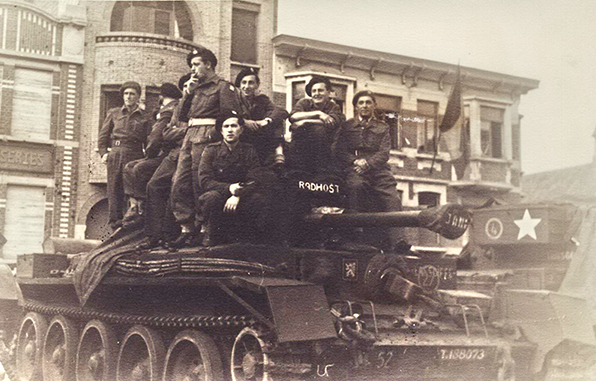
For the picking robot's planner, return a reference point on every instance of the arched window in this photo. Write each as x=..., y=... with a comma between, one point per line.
x=169, y=18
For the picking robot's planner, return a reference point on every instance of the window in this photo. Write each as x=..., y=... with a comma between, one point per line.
x=32, y=104
x=491, y=132
x=244, y=35
x=110, y=98
x=428, y=199
x=338, y=94
x=298, y=92
x=388, y=108
x=427, y=125
x=24, y=221
x=168, y=18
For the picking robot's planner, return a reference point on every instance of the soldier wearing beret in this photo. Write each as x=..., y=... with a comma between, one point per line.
x=362, y=149
x=314, y=123
x=121, y=140
x=228, y=176
x=263, y=121
x=206, y=96
x=137, y=173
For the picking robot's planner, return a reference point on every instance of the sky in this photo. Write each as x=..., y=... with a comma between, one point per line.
x=553, y=41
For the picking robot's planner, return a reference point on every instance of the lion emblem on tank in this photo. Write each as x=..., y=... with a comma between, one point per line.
x=429, y=277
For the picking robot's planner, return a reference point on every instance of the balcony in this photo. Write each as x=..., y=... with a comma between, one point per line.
x=144, y=40
x=488, y=175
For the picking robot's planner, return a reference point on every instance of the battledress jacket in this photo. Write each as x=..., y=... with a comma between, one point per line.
x=130, y=129
x=221, y=167
x=158, y=141
x=358, y=139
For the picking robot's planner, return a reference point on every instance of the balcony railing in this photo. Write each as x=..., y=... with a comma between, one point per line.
x=144, y=38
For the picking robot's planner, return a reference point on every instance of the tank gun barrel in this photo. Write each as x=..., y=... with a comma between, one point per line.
x=387, y=219
x=450, y=220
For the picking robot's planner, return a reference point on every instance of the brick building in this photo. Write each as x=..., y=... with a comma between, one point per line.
x=41, y=57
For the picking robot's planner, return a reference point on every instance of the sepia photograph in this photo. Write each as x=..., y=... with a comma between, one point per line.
x=292, y=190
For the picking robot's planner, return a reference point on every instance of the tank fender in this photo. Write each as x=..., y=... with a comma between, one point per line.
x=300, y=310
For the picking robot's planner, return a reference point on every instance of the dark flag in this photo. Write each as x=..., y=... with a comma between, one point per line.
x=455, y=131
x=453, y=112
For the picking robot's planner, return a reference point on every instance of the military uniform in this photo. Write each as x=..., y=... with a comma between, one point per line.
x=310, y=150
x=219, y=168
x=267, y=138
x=125, y=133
x=137, y=173
x=199, y=109
x=370, y=140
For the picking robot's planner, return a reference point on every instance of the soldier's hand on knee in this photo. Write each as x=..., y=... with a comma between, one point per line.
x=234, y=188
x=231, y=204
x=360, y=165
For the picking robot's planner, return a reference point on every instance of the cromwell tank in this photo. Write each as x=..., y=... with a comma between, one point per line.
x=330, y=308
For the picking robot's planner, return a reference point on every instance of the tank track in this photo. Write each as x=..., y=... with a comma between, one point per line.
x=203, y=322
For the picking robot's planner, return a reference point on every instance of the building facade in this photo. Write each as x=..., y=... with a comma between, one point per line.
x=414, y=93
x=41, y=60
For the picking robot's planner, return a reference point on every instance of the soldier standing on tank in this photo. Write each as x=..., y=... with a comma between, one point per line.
x=137, y=173
x=230, y=192
x=314, y=123
x=362, y=149
x=121, y=140
x=263, y=121
x=205, y=98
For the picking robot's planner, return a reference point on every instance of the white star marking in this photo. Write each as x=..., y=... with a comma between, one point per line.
x=527, y=225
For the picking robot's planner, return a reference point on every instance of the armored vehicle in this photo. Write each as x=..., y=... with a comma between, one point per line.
x=333, y=308
x=533, y=260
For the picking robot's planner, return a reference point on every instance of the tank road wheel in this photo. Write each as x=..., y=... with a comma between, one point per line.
x=96, y=354
x=30, y=346
x=59, y=350
x=249, y=358
x=141, y=355
x=193, y=356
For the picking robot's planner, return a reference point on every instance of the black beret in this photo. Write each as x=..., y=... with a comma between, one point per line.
x=130, y=85
x=170, y=90
x=205, y=54
x=362, y=93
x=227, y=115
x=247, y=71
x=317, y=79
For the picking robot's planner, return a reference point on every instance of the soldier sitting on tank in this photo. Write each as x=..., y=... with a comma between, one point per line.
x=121, y=140
x=362, y=149
x=231, y=203
x=314, y=123
x=263, y=121
x=137, y=173
x=160, y=224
